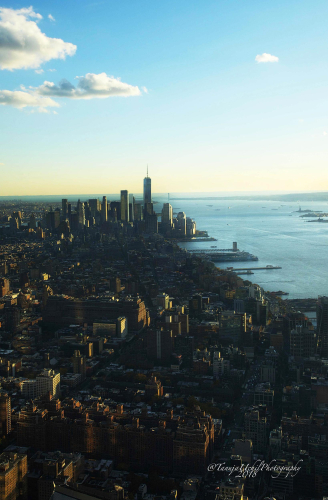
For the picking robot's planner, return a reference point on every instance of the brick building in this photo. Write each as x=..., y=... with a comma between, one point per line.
x=13, y=476
x=63, y=310
x=179, y=443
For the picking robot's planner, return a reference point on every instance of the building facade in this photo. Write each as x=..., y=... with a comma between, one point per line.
x=124, y=205
x=13, y=476
x=147, y=190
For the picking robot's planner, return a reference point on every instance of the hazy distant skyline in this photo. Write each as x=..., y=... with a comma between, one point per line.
x=214, y=96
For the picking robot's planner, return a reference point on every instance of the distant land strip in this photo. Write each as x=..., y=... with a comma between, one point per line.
x=323, y=196
x=298, y=197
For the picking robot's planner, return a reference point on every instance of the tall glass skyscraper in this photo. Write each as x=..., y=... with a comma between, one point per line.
x=167, y=214
x=147, y=189
x=125, y=205
x=104, y=209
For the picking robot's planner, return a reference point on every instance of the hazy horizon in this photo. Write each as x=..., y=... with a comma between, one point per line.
x=175, y=195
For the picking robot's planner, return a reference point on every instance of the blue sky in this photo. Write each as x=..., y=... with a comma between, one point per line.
x=196, y=107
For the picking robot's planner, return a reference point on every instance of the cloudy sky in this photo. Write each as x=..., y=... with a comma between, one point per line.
x=213, y=95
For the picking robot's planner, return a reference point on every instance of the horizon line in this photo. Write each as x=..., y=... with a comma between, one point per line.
x=210, y=193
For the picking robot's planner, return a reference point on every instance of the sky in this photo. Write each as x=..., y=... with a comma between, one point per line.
x=215, y=96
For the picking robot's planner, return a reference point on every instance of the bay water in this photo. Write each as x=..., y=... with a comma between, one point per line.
x=271, y=230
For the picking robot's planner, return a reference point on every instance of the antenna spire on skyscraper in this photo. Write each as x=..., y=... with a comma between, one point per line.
x=147, y=170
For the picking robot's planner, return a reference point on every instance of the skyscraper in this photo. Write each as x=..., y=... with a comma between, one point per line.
x=53, y=219
x=64, y=208
x=104, y=209
x=125, y=205
x=181, y=223
x=148, y=209
x=138, y=214
x=190, y=227
x=131, y=207
x=322, y=326
x=81, y=213
x=94, y=204
x=147, y=189
x=167, y=214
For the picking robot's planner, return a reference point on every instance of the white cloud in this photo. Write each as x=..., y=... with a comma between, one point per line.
x=43, y=110
x=51, y=18
x=89, y=86
x=301, y=120
x=52, y=70
x=145, y=90
x=20, y=99
x=22, y=43
x=325, y=133
x=264, y=58
x=39, y=71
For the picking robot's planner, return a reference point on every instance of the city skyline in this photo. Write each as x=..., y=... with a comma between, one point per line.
x=229, y=90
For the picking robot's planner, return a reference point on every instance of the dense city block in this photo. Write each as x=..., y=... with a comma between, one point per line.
x=131, y=368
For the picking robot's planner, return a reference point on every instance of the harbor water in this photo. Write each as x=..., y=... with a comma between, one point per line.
x=271, y=230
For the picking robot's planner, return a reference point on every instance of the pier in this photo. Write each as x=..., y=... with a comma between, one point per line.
x=210, y=251
x=246, y=273
x=267, y=268
x=224, y=254
x=195, y=239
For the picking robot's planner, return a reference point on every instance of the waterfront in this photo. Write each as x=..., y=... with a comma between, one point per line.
x=274, y=232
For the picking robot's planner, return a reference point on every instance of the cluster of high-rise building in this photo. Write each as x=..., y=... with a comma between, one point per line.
x=138, y=214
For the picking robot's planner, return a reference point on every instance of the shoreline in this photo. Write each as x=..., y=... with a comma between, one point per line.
x=303, y=304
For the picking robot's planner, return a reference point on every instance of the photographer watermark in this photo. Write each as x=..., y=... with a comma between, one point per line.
x=259, y=466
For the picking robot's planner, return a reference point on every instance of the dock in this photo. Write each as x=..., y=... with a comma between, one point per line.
x=195, y=239
x=267, y=268
x=211, y=251
x=246, y=273
x=224, y=254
